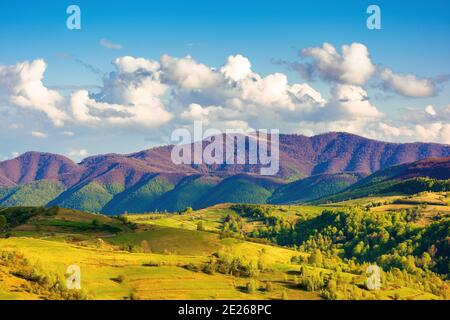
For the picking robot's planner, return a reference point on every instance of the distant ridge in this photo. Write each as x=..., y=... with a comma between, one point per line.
x=117, y=182
x=384, y=180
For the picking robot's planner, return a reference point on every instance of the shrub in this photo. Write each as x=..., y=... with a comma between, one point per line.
x=200, y=226
x=251, y=286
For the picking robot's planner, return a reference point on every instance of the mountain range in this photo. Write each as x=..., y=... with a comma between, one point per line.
x=310, y=168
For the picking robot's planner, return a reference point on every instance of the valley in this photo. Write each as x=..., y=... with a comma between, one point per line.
x=138, y=227
x=227, y=251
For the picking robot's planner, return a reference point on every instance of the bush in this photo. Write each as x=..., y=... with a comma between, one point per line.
x=119, y=279
x=200, y=226
x=48, y=285
x=251, y=287
x=228, y=264
x=3, y=222
x=269, y=286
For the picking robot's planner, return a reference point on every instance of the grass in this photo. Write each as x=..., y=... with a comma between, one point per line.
x=170, y=269
x=167, y=280
x=171, y=240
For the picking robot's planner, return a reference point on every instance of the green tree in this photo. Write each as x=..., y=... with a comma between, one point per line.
x=316, y=258
x=200, y=226
x=95, y=223
x=251, y=286
x=3, y=222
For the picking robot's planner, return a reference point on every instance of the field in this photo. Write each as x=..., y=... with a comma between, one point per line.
x=166, y=256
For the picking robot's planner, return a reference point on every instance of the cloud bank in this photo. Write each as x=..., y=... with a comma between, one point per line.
x=175, y=91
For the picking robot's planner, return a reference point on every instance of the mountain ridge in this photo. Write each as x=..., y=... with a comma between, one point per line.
x=300, y=156
x=140, y=180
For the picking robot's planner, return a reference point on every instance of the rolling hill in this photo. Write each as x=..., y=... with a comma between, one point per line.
x=313, y=187
x=389, y=180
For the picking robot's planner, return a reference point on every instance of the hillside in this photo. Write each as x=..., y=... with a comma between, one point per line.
x=148, y=180
x=300, y=156
x=394, y=179
x=313, y=187
x=231, y=251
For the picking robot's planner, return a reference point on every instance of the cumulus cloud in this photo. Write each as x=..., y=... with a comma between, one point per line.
x=188, y=74
x=130, y=95
x=236, y=68
x=22, y=86
x=352, y=102
x=172, y=92
x=407, y=85
x=352, y=66
x=152, y=93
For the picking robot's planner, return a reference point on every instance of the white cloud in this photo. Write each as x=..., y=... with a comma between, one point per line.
x=148, y=94
x=188, y=74
x=236, y=68
x=110, y=45
x=21, y=85
x=352, y=102
x=68, y=133
x=130, y=95
x=407, y=84
x=78, y=153
x=129, y=64
x=430, y=110
x=39, y=134
x=352, y=66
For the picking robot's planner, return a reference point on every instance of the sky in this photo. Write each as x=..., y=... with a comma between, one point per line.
x=137, y=70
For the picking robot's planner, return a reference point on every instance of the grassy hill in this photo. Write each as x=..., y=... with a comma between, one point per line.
x=425, y=175
x=91, y=197
x=188, y=193
x=139, y=198
x=40, y=221
x=239, y=255
x=312, y=188
x=242, y=189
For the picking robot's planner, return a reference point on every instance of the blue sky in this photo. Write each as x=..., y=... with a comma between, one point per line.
x=413, y=40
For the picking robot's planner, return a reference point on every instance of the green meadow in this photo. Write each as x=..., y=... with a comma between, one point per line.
x=230, y=251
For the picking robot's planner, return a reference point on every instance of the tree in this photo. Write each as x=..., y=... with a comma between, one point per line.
x=251, y=286
x=3, y=222
x=316, y=258
x=200, y=226
x=145, y=246
x=95, y=223
x=426, y=260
